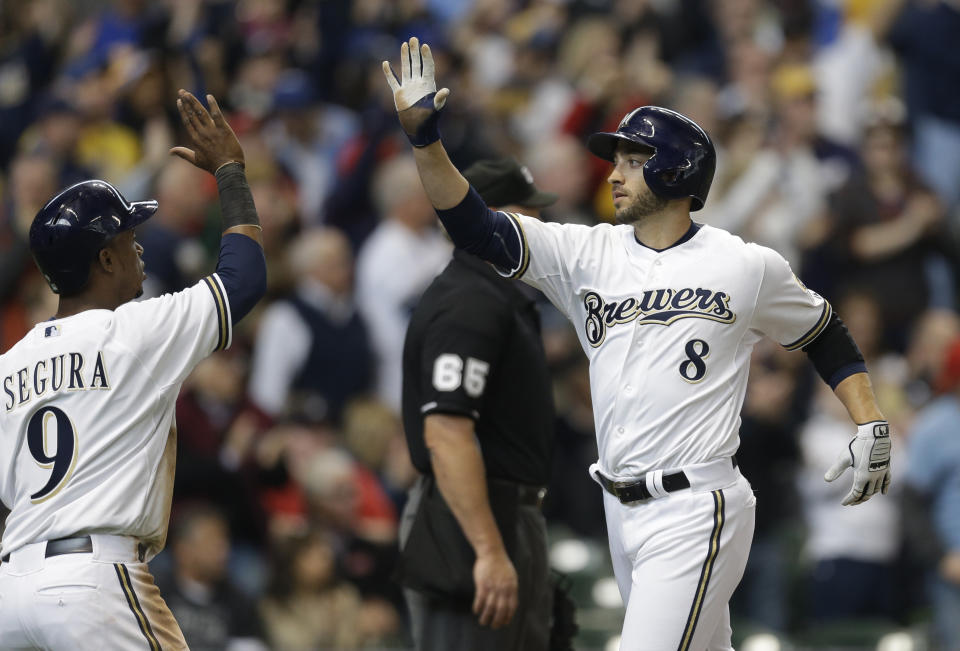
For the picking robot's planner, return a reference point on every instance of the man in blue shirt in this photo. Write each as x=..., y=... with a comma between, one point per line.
x=933, y=478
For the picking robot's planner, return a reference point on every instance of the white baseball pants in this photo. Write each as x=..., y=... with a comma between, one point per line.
x=103, y=600
x=678, y=559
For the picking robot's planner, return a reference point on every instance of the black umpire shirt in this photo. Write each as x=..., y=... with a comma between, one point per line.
x=473, y=349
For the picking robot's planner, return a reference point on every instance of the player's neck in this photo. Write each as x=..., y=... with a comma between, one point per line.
x=663, y=229
x=89, y=300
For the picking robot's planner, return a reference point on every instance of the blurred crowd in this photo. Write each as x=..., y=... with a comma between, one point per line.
x=837, y=125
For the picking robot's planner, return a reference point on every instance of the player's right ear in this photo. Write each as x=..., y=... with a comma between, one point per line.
x=105, y=260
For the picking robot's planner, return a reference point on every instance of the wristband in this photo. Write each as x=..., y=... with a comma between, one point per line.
x=429, y=130
x=236, y=201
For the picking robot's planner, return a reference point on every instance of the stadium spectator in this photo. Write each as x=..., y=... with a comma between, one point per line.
x=55, y=133
x=308, y=605
x=780, y=199
x=32, y=180
x=217, y=430
x=924, y=35
x=30, y=32
x=888, y=226
x=213, y=614
x=172, y=250
x=932, y=333
x=852, y=573
x=313, y=344
x=374, y=435
x=933, y=498
x=853, y=566
x=395, y=265
x=306, y=137
x=769, y=457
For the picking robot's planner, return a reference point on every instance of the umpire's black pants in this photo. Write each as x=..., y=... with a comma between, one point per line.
x=437, y=626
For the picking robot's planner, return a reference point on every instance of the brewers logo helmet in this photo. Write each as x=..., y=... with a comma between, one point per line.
x=683, y=158
x=70, y=230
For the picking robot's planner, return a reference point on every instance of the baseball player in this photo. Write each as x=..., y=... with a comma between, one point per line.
x=667, y=311
x=87, y=429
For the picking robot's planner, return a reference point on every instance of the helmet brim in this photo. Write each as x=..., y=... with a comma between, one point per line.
x=139, y=212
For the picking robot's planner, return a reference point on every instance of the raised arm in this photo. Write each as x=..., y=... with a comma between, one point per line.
x=471, y=225
x=241, y=266
x=418, y=106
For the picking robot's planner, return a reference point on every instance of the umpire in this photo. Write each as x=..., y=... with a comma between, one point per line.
x=478, y=415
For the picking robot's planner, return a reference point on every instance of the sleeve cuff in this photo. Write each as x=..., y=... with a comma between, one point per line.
x=813, y=332
x=524, y=249
x=224, y=323
x=844, y=372
x=434, y=407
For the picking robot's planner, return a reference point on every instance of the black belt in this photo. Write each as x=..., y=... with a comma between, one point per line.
x=634, y=491
x=527, y=494
x=530, y=495
x=60, y=546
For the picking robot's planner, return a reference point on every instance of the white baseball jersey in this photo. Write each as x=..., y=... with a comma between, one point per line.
x=87, y=428
x=668, y=333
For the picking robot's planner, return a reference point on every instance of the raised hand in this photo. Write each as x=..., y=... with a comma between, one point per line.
x=415, y=94
x=214, y=142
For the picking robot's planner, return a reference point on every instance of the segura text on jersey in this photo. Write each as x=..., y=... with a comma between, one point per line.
x=654, y=306
x=64, y=372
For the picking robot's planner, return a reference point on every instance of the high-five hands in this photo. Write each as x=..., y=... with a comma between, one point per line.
x=869, y=456
x=415, y=94
x=214, y=142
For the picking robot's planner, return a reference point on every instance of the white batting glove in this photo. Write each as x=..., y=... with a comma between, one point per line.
x=415, y=95
x=869, y=456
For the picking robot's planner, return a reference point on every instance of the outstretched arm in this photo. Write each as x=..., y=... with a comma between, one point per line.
x=418, y=106
x=869, y=451
x=471, y=225
x=856, y=394
x=839, y=362
x=241, y=267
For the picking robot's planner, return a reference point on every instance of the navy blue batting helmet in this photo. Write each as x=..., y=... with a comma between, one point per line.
x=68, y=233
x=683, y=159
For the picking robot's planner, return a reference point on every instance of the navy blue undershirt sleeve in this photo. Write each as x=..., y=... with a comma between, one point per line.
x=242, y=269
x=489, y=235
x=834, y=353
x=844, y=372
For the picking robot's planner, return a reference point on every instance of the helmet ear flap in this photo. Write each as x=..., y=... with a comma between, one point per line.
x=670, y=176
x=664, y=174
